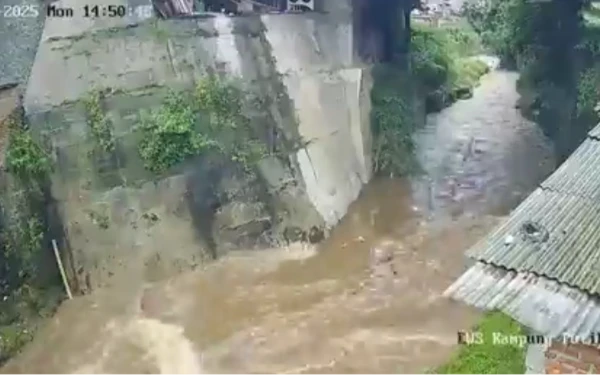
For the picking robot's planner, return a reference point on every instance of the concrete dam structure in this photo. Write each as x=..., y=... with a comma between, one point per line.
x=119, y=219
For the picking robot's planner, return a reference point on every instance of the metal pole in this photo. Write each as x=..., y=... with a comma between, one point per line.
x=61, y=269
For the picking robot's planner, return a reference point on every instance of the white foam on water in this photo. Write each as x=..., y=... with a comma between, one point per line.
x=166, y=343
x=165, y=347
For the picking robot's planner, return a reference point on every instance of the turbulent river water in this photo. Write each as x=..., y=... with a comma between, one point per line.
x=341, y=307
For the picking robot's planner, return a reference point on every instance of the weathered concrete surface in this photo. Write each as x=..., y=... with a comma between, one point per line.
x=330, y=97
x=122, y=220
x=21, y=25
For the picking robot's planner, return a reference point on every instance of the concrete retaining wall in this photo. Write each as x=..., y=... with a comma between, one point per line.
x=122, y=221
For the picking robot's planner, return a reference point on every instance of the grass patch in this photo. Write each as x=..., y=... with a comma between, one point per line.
x=487, y=358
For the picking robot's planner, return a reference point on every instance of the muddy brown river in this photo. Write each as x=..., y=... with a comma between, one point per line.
x=366, y=300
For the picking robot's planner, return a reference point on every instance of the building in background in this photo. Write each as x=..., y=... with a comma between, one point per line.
x=178, y=8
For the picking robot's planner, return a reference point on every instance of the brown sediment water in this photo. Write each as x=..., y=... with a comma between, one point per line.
x=366, y=300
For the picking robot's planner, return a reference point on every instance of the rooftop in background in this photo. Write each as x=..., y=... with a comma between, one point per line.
x=542, y=265
x=178, y=8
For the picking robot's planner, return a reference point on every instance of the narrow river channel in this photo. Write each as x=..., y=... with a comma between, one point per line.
x=342, y=307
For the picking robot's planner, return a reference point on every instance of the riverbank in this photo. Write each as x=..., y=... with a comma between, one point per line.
x=445, y=66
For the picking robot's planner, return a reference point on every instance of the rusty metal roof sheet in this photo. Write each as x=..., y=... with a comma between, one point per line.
x=548, y=307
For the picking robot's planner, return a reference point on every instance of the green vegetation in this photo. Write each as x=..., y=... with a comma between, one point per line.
x=443, y=70
x=26, y=292
x=100, y=125
x=555, y=45
x=443, y=63
x=25, y=159
x=487, y=357
x=588, y=91
x=24, y=232
x=393, y=121
x=188, y=125
x=170, y=135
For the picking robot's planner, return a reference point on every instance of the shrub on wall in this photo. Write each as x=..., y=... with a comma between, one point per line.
x=100, y=125
x=25, y=159
x=191, y=124
x=170, y=134
x=222, y=102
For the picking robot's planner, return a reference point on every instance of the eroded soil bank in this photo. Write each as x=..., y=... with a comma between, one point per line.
x=366, y=300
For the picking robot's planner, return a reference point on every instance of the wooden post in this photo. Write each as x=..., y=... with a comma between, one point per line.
x=61, y=269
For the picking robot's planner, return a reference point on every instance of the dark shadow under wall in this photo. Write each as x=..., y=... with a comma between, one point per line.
x=382, y=30
x=19, y=193
x=56, y=231
x=203, y=201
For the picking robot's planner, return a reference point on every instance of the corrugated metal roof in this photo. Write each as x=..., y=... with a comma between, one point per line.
x=170, y=8
x=544, y=305
x=567, y=208
x=578, y=175
x=551, y=285
x=595, y=133
x=571, y=254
